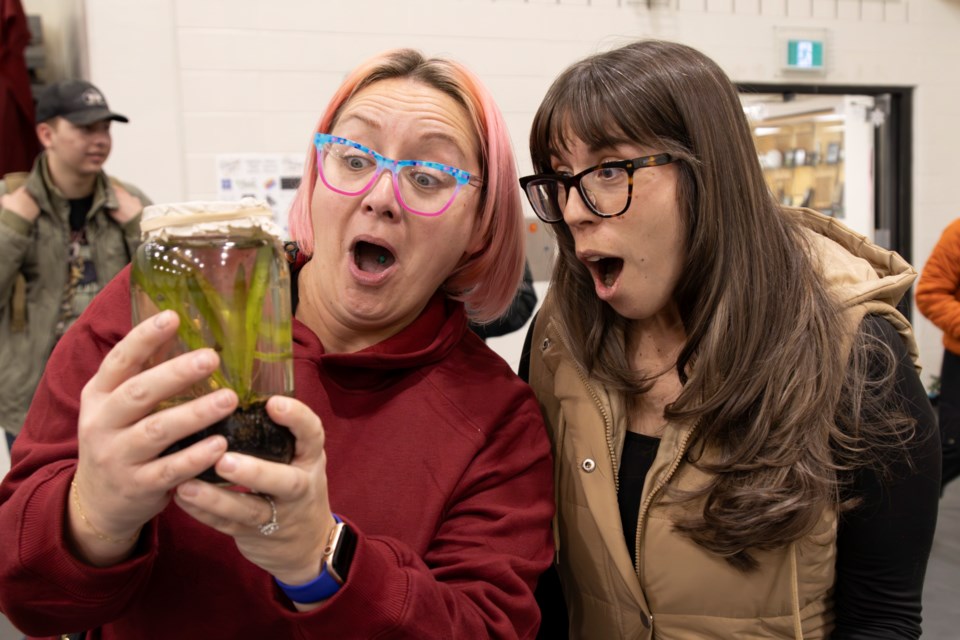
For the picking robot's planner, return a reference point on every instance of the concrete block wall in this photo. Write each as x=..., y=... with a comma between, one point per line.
x=202, y=77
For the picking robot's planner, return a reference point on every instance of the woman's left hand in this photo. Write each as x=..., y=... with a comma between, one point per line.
x=293, y=552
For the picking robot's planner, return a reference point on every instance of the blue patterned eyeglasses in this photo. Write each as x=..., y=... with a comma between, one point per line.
x=422, y=187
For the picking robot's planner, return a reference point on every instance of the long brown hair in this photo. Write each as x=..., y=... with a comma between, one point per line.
x=765, y=367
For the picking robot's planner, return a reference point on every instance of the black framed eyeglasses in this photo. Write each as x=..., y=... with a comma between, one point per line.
x=606, y=189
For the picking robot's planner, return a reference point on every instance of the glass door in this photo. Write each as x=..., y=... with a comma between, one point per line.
x=817, y=152
x=843, y=151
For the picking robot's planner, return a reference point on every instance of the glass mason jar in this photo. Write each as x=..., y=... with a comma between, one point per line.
x=221, y=267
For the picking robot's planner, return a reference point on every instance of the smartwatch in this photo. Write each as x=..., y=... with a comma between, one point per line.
x=335, y=566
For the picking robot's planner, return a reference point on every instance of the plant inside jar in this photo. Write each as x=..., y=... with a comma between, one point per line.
x=234, y=298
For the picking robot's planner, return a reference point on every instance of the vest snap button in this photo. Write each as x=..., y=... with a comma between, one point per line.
x=588, y=465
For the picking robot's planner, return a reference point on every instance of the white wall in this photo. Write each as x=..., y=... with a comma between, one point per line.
x=201, y=77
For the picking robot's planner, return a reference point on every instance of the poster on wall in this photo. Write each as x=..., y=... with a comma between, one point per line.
x=271, y=177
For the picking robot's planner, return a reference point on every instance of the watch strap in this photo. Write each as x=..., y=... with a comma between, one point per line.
x=320, y=588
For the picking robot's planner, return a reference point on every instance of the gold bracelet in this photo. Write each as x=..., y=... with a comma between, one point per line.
x=96, y=532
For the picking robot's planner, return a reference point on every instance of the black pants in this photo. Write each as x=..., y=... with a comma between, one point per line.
x=949, y=410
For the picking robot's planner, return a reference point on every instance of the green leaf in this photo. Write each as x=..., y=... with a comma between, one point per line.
x=253, y=312
x=232, y=319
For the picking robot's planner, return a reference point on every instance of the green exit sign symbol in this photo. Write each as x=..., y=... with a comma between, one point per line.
x=805, y=54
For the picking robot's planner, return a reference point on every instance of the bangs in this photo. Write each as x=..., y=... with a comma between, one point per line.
x=574, y=109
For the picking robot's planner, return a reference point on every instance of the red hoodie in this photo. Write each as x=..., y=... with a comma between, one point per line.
x=436, y=455
x=20, y=143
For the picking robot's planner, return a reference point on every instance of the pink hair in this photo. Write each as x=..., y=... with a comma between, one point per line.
x=487, y=280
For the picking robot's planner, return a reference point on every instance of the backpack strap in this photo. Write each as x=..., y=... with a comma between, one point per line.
x=18, y=299
x=15, y=180
x=18, y=305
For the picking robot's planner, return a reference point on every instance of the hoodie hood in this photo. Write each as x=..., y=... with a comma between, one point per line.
x=861, y=275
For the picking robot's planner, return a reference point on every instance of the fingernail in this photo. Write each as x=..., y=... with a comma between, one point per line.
x=281, y=404
x=224, y=398
x=162, y=319
x=188, y=489
x=203, y=360
x=228, y=462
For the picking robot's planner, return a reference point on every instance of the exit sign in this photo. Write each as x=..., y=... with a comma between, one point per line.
x=805, y=54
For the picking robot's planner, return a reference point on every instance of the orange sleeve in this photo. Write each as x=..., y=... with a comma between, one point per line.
x=940, y=281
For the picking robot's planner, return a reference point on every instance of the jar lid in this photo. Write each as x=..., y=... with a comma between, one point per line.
x=206, y=216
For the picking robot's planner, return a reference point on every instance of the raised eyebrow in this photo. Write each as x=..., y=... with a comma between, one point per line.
x=370, y=122
x=445, y=137
x=438, y=135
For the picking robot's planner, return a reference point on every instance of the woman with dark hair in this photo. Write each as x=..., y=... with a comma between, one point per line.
x=742, y=443
x=419, y=497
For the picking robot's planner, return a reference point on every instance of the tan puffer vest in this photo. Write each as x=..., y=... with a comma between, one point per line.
x=681, y=590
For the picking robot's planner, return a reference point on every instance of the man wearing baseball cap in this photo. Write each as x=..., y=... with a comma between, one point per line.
x=66, y=229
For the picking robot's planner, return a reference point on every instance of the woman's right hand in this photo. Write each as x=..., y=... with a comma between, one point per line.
x=121, y=483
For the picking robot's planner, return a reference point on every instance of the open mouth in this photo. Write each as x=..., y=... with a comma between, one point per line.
x=372, y=258
x=606, y=270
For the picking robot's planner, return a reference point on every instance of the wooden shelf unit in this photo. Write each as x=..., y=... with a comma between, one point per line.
x=811, y=161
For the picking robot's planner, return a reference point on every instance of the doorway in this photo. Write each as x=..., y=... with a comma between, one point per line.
x=843, y=150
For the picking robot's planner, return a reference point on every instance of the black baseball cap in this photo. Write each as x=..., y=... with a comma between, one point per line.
x=76, y=100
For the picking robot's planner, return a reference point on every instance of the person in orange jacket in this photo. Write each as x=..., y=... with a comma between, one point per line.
x=937, y=298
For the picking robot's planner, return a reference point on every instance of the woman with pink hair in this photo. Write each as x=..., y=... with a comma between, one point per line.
x=419, y=499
